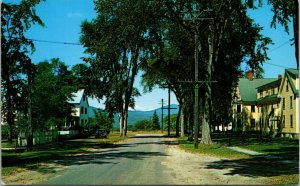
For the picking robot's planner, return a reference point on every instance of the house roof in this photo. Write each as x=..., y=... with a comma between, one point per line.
x=269, y=99
x=292, y=73
x=248, y=90
x=271, y=84
x=76, y=97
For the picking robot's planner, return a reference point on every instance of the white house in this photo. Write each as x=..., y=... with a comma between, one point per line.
x=80, y=104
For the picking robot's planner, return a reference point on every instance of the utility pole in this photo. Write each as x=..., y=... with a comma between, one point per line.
x=162, y=115
x=169, y=107
x=196, y=104
x=196, y=20
x=169, y=111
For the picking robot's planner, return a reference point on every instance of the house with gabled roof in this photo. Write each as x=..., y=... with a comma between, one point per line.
x=245, y=110
x=289, y=103
x=80, y=115
x=268, y=104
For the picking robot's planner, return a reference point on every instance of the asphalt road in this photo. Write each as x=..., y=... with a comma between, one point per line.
x=137, y=161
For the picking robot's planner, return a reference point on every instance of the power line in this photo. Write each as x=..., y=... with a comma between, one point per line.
x=48, y=41
x=54, y=42
x=280, y=46
x=276, y=65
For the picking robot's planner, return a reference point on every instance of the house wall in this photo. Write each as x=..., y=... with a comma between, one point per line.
x=76, y=111
x=84, y=117
x=287, y=111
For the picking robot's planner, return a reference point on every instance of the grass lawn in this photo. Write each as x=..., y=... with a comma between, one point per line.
x=55, y=151
x=212, y=150
x=5, y=144
x=285, y=148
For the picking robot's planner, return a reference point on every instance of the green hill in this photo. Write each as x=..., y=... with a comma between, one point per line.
x=134, y=116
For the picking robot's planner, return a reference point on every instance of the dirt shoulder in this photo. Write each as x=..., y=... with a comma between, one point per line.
x=197, y=169
x=33, y=174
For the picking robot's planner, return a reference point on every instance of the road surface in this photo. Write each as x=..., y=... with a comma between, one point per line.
x=138, y=161
x=153, y=159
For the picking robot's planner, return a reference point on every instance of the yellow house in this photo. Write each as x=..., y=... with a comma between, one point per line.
x=268, y=106
x=246, y=113
x=289, y=104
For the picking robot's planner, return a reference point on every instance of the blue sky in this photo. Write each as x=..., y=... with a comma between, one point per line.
x=64, y=17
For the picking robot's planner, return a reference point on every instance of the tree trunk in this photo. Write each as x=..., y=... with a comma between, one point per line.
x=30, y=128
x=121, y=122
x=191, y=126
x=178, y=121
x=206, y=138
x=9, y=109
x=182, y=124
x=185, y=120
x=125, y=123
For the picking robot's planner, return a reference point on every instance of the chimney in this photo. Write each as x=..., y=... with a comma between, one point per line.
x=250, y=75
x=279, y=77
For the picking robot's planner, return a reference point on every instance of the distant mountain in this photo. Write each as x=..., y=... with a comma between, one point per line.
x=137, y=115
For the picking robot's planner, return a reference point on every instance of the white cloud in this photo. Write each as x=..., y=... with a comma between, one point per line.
x=74, y=14
x=137, y=107
x=95, y=103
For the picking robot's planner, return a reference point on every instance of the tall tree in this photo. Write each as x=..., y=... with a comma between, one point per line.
x=15, y=21
x=284, y=12
x=238, y=37
x=49, y=100
x=155, y=121
x=115, y=41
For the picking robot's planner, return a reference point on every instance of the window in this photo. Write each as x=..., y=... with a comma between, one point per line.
x=238, y=108
x=81, y=122
x=252, y=123
x=287, y=85
x=283, y=103
x=283, y=121
x=83, y=97
x=85, y=110
x=261, y=93
x=85, y=121
x=239, y=123
x=273, y=91
x=291, y=120
x=81, y=110
x=291, y=102
x=252, y=108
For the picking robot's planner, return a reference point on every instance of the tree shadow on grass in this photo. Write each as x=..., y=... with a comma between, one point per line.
x=256, y=167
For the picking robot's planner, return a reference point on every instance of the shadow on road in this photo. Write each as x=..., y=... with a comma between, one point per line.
x=256, y=167
x=67, y=154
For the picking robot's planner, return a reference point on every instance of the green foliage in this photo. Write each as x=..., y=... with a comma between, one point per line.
x=5, y=132
x=173, y=118
x=52, y=87
x=15, y=62
x=155, y=121
x=100, y=121
x=143, y=125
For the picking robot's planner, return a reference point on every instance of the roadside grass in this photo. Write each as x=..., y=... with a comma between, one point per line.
x=215, y=150
x=292, y=179
x=285, y=148
x=11, y=161
x=148, y=132
x=5, y=144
